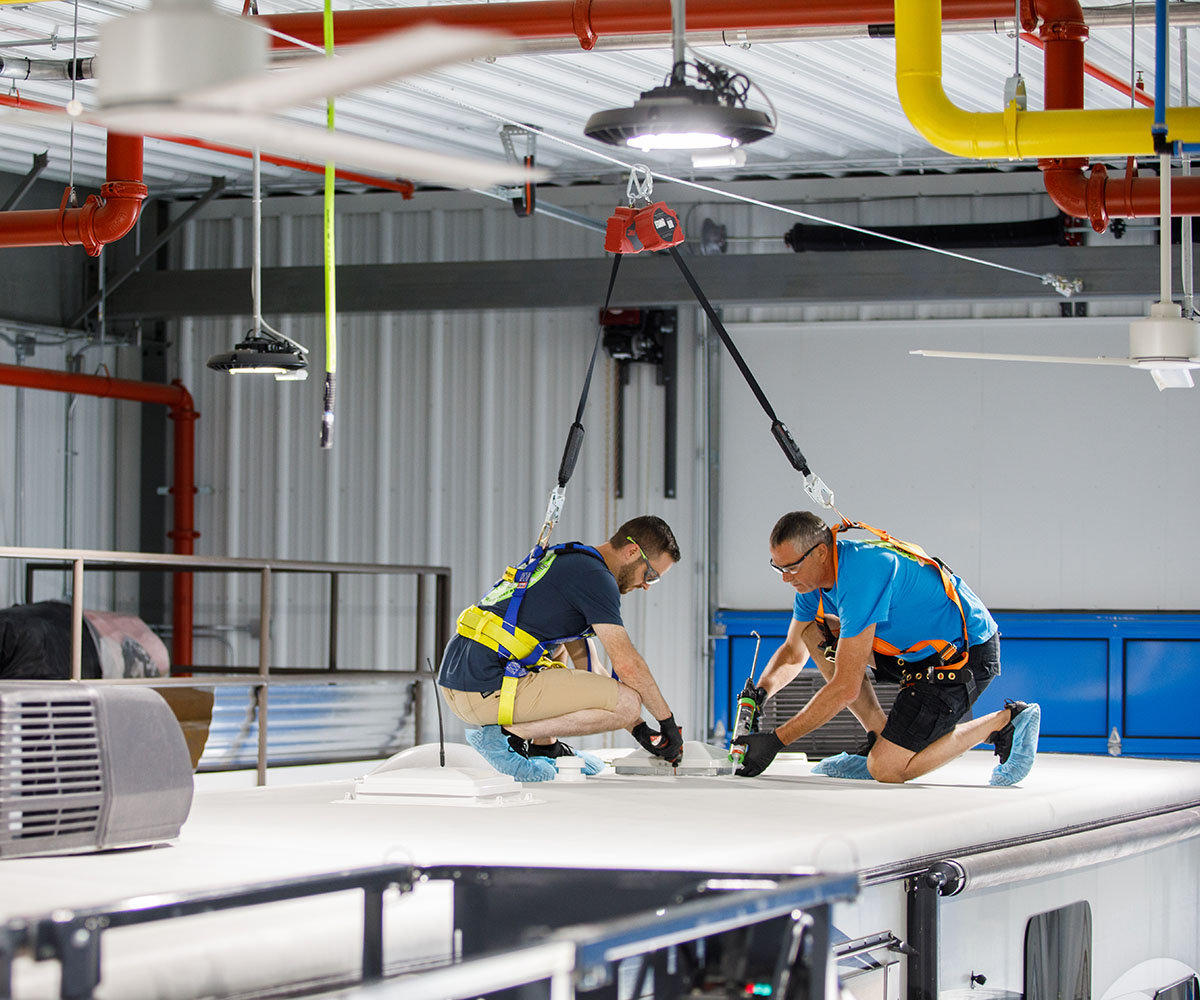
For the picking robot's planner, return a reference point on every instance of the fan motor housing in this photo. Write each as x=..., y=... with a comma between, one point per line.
x=1169, y=338
x=157, y=55
x=85, y=767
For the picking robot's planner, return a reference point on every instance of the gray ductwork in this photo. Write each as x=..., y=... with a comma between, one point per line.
x=45, y=69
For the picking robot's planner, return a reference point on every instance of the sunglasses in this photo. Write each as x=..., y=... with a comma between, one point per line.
x=652, y=575
x=792, y=567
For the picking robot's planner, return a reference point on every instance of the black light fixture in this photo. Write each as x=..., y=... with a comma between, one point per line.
x=710, y=114
x=263, y=354
x=265, y=351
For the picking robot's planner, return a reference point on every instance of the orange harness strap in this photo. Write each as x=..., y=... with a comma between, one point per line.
x=949, y=660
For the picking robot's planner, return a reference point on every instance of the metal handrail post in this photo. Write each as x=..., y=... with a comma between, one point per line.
x=333, y=620
x=442, y=611
x=264, y=668
x=420, y=623
x=77, y=620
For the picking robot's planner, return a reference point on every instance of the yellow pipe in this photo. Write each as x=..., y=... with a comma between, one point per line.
x=1011, y=134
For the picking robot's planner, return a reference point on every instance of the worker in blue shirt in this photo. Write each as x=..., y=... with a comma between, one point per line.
x=886, y=606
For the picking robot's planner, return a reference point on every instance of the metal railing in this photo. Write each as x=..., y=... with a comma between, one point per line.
x=76, y=560
x=580, y=960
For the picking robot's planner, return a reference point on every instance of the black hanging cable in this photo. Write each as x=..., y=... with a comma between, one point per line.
x=437, y=700
x=778, y=429
x=575, y=434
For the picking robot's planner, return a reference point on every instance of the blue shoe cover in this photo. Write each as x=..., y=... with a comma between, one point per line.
x=1024, y=748
x=591, y=763
x=844, y=765
x=493, y=746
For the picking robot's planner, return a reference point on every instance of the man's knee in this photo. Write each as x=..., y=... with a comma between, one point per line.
x=886, y=769
x=629, y=706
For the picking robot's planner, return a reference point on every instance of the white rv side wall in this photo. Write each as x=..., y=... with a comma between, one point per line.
x=1044, y=486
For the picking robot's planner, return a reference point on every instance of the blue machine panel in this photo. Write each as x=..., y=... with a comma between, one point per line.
x=1137, y=673
x=1067, y=677
x=1162, y=688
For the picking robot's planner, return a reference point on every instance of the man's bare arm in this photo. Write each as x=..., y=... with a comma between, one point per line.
x=839, y=691
x=787, y=661
x=631, y=669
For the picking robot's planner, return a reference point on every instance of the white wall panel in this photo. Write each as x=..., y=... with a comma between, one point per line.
x=1044, y=486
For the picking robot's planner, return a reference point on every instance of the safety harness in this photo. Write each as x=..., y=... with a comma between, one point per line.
x=520, y=651
x=632, y=229
x=948, y=660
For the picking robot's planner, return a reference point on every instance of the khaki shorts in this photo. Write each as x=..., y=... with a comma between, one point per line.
x=544, y=694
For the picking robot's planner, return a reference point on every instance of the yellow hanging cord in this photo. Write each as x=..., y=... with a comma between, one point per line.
x=330, y=261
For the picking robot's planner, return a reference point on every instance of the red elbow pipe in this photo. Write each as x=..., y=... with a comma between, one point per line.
x=183, y=488
x=1090, y=195
x=99, y=220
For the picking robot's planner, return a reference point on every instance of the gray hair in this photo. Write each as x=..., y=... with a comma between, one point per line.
x=802, y=528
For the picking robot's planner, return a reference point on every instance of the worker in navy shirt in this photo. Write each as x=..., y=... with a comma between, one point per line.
x=573, y=595
x=885, y=605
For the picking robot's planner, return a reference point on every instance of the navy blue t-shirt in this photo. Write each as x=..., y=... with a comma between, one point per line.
x=575, y=592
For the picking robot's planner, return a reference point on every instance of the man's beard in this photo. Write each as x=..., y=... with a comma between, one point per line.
x=626, y=578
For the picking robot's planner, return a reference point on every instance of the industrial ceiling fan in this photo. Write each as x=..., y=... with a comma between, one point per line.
x=182, y=67
x=1166, y=344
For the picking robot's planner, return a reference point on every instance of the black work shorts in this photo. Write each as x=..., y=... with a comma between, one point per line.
x=925, y=712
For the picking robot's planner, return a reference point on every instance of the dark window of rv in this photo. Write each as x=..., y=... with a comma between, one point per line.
x=1058, y=954
x=1185, y=989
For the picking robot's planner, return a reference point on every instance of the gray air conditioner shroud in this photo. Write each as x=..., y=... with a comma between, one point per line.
x=84, y=768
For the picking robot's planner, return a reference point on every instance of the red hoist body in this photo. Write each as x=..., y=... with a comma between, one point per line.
x=632, y=230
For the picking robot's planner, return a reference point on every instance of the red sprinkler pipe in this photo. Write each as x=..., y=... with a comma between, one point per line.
x=1078, y=193
x=590, y=20
x=183, y=489
x=99, y=220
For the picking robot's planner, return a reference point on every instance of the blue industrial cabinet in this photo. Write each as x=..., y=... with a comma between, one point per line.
x=1094, y=673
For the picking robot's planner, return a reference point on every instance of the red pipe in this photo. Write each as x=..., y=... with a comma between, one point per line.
x=590, y=20
x=1089, y=195
x=100, y=220
x=1103, y=75
x=183, y=488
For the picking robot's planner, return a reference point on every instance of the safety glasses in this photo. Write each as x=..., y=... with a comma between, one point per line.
x=792, y=567
x=652, y=575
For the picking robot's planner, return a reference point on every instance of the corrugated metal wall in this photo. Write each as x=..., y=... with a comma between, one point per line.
x=449, y=431
x=71, y=467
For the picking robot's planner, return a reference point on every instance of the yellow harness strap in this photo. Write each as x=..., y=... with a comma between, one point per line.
x=487, y=627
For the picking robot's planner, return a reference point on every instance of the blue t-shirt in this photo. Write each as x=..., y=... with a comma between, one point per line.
x=577, y=591
x=902, y=598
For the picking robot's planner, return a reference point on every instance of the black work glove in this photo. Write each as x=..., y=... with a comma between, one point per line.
x=759, y=694
x=666, y=743
x=761, y=749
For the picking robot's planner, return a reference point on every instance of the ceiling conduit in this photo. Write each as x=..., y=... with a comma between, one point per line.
x=1012, y=134
x=183, y=487
x=99, y=220
x=1077, y=193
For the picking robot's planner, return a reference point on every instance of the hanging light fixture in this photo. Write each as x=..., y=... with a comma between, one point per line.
x=263, y=354
x=710, y=114
x=265, y=351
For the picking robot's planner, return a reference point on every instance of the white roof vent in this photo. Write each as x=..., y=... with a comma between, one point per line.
x=417, y=777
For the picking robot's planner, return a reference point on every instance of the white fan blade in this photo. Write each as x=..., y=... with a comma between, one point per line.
x=318, y=145
x=1047, y=358
x=402, y=53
